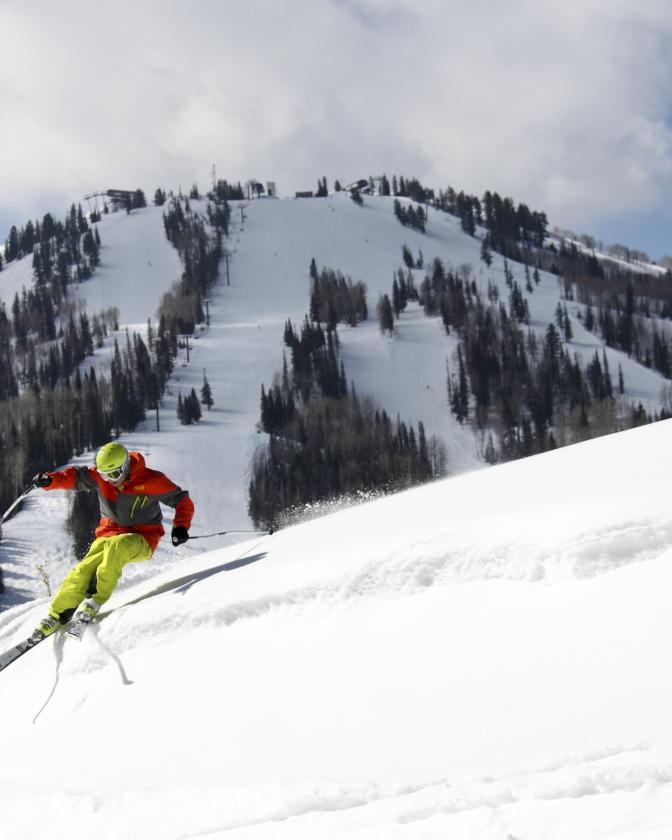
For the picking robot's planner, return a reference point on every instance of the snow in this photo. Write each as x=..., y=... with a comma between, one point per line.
x=14, y=278
x=138, y=265
x=484, y=656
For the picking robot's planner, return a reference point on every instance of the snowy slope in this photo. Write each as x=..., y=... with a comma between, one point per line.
x=137, y=265
x=483, y=657
x=243, y=348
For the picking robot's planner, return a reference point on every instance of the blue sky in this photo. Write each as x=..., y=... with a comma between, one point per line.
x=564, y=106
x=649, y=232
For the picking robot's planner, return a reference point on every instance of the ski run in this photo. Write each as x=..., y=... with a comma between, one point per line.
x=485, y=656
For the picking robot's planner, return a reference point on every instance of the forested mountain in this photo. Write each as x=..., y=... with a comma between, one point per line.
x=423, y=332
x=55, y=405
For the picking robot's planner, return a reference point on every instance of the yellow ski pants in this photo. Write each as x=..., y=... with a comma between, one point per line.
x=106, y=558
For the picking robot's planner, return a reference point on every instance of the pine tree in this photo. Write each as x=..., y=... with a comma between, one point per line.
x=462, y=413
x=486, y=252
x=567, y=325
x=398, y=302
x=12, y=247
x=607, y=374
x=194, y=406
x=385, y=314
x=206, y=393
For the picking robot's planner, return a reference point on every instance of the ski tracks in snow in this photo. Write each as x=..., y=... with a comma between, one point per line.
x=408, y=570
x=572, y=797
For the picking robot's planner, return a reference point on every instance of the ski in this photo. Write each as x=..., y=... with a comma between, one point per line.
x=14, y=653
x=77, y=626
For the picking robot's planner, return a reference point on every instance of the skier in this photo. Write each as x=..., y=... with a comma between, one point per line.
x=129, y=530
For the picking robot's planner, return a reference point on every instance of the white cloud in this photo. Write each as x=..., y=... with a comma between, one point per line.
x=562, y=105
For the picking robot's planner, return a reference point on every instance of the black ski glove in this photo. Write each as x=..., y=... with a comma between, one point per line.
x=179, y=535
x=42, y=479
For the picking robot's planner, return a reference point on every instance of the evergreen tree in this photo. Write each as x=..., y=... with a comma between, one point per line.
x=206, y=393
x=385, y=314
x=566, y=325
x=194, y=406
x=486, y=252
x=12, y=248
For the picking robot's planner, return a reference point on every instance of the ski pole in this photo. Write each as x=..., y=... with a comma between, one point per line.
x=16, y=502
x=221, y=534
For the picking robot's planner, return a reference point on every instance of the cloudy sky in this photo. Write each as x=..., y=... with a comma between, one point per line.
x=566, y=106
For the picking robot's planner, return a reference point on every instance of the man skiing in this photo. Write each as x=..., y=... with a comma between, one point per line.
x=129, y=531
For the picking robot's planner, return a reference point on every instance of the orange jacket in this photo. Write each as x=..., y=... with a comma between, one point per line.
x=135, y=506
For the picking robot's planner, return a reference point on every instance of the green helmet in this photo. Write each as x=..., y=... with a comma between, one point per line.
x=112, y=460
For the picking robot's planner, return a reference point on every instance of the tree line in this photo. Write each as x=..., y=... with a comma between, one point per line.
x=323, y=439
x=524, y=393
x=50, y=235
x=335, y=298
x=410, y=216
x=70, y=413
x=628, y=309
x=200, y=252
x=53, y=407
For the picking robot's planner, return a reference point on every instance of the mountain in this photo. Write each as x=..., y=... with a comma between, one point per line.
x=481, y=657
x=271, y=244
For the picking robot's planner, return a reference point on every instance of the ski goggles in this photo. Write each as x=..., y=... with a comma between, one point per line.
x=114, y=475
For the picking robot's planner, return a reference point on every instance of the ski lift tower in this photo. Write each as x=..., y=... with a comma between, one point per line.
x=94, y=196
x=254, y=189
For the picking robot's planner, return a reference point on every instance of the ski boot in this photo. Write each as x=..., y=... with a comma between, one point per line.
x=45, y=628
x=83, y=617
x=87, y=611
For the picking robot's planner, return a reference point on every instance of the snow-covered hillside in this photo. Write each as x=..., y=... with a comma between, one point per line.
x=478, y=658
x=243, y=347
x=483, y=657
